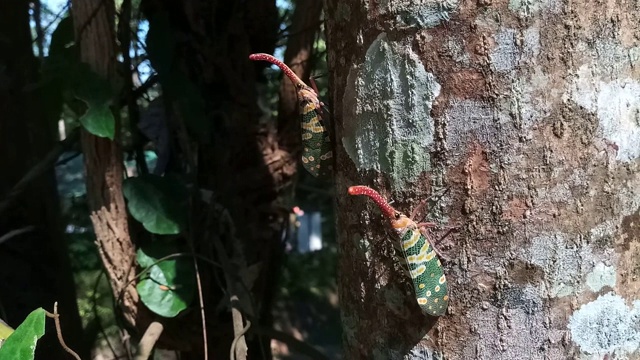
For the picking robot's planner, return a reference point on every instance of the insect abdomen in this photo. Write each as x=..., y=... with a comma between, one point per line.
x=426, y=273
x=316, y=146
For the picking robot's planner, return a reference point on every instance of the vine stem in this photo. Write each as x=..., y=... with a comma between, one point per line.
x=56, y=320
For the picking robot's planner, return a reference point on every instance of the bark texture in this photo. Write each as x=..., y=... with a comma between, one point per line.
x=34, y=266
x=528, y=113
x=95, y=34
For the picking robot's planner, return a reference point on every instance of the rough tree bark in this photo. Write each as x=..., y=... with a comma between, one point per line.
x=34, y=266
x=528, y=113
x=94, y=25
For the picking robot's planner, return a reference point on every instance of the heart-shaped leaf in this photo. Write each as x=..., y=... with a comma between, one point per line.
x=169, y=286
x=159, y=203
x=99, y=121
x=95, y=91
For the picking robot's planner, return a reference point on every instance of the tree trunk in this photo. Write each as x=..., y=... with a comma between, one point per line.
x=238, y=158
x=298, y=55
x=34, y=266
x=94, y=25
x=528, y=114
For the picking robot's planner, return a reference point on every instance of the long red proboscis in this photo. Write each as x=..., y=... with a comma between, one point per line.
x=285, y=69
x=386, y=209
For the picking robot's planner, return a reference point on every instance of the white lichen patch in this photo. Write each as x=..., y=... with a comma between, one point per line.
x=606, y=326
x=571, y=265
x=415, y=13
x=363, y=246
x=469, y=120
x=601, y=276
x=527, y=8
x=615, y=57
x=564, y=264
x=565, y=188
x=506, y=55
x=603, y=230
x=525, y=102
x=388, y=103
x=515, y=57
x=602, y=88
x=423, y=352
x=617, y=105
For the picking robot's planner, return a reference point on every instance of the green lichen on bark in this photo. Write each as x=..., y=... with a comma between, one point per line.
x=389, y=103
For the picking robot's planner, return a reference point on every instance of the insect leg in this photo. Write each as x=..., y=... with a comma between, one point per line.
x=426, y=234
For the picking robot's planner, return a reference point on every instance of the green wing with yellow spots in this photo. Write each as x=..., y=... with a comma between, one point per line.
x=423, y=266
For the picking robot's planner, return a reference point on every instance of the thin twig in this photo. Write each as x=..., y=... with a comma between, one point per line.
x=16, y=232
x=203, y=316
x=56, y=320
x=201, y=303
x=67, y=159
x=124, y=336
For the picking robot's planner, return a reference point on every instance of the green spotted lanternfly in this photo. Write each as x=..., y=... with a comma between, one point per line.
x=317, y=152
x=425, y=269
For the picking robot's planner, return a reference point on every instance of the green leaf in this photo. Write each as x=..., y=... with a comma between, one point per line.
x=169, y=286
x=22, y=343
x=95, y=91
x=99, y=121
x=159, y=203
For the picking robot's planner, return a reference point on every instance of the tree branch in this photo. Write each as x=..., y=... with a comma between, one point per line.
x=148, y=341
